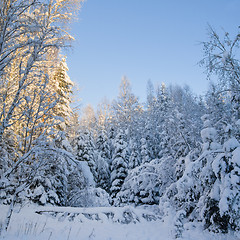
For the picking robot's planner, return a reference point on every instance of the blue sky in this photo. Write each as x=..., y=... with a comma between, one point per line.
x=154, y=39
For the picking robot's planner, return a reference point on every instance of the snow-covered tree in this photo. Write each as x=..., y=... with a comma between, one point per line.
x=40, y=176
x=141, y=186
x=199, y=190
x=146, y=183
x=88, y=118
x=145, y=151
x=118, y=166
x=85, y=150
x=31, y=35
x=49, y=184
x=103, y=161
x=28, y=36
x=125, y=107
x=102, y=173
x=221, y=59
x=62, y=86
x=135, y=157
x=225, y=192
x=102, y=145
x=104, y=115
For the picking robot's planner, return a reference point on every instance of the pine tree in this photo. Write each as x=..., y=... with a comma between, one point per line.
x=118, y=166
x=102, y=173
x=135, y=157
x=49, y=185
x=88, y=118
x=62, y=86
x=195, y=192
x=102, y=145
x=125, y=107
x=145, y=152
x=141, y=186
x=103, y=162
x=226, y=187
x=85, y=150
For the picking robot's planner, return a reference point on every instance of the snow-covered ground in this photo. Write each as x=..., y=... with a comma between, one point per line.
x=106, y=223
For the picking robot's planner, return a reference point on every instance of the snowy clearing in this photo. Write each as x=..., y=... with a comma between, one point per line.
x=105, y=223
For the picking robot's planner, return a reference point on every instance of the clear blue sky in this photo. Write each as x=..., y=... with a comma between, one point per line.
x=153, y=39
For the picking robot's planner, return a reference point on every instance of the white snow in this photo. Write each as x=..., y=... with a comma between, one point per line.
x=224, y=203
x=238, y=122
x=127, y=223
x=208, y=134
x=216, y=164
x=236, y=156
x=86, y=172
x=231, y=144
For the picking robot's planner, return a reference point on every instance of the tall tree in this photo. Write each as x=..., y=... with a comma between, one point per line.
x=88, y=118
x=62, y=85
x=221, y=58
x=31, y=35
x=28, y=39
x=118, y=166
x=126, y=106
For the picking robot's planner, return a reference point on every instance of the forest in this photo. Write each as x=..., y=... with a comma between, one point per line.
x=176, y=150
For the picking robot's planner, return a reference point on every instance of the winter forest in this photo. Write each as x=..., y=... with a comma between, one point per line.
x=175, y=155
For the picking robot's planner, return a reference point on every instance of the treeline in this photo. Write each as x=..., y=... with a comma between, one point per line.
x=176, y=150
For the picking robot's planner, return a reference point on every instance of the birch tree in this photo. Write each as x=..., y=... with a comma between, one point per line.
x=221, y=57
x=31, y=32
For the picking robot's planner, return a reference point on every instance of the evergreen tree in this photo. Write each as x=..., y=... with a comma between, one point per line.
x=102, y=145
x=85, y=150
x=141, y=186
x=118, y=166
x=195, y=192
x=49, y=185
x=225, y=192
x=135, y=157
x=145, y=152
x=102, y=173
x=103, y=162
x=62, y=85
x=125, y=107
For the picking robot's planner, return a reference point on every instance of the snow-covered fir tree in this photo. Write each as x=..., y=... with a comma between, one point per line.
x=145, y=151
x=103, y=162
x=84, y=149
x=103, y=145
x=62, y=85
x=141, y=186
x=118, y=166
x=135, y=156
